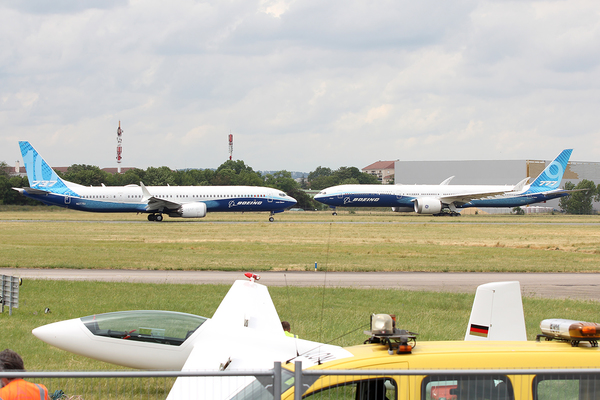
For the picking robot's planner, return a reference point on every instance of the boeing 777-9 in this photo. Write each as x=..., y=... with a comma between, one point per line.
x=446, y=198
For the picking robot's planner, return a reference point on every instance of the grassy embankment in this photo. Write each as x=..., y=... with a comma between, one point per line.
x=369, y=241
x=336, y=315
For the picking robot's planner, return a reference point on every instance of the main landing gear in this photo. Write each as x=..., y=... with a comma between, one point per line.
x=155, y=217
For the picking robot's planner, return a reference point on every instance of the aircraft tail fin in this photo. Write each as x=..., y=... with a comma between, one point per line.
x=40, y=175
x=497, y=313
x=552, y=175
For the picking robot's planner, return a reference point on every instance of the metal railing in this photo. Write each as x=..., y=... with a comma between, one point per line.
x=87, y=385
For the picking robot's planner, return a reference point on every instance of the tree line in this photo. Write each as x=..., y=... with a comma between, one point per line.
x=229, y=173
x=238, y=173
x=580, y=202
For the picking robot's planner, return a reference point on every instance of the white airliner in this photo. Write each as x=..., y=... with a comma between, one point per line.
x=175, y=201
x=446, y=198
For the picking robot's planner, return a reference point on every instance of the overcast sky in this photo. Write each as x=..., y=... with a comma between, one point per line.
x=300, y=84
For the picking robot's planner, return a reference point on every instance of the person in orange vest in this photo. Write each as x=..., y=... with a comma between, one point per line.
x=17, y=388
x=286, y=329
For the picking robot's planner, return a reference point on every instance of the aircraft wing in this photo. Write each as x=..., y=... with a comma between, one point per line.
x=463, y=198
x=154, y=203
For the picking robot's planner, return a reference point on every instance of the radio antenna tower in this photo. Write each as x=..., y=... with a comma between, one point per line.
x=119, y=147
x=230, y=145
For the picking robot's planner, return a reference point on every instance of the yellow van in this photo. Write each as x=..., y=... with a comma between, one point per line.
x=402, y=369
x=471, y=356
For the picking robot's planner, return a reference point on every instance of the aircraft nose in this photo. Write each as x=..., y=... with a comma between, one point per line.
x=63, y=334
x=321, y=197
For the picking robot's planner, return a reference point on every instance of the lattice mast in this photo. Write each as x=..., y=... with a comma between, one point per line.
x=119, y=147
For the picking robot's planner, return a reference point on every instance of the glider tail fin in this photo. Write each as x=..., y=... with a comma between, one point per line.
x=497, y=313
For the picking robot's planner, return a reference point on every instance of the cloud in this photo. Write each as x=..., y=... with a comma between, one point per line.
x=299, y=83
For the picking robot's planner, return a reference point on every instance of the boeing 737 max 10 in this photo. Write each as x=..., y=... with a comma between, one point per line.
x=175, y=201
x=436, y=199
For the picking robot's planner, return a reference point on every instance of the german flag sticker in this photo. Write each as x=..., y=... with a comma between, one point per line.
x=479, y=330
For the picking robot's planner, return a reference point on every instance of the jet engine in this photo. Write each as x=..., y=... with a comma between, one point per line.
x=190, y=210
x=427, y=205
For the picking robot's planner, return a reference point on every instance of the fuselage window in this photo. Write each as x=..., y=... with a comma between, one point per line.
x=367, y=389
x=467, y=387
x=554, y=386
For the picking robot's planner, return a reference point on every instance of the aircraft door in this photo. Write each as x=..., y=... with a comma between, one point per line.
x=270, y=198
x=67, y=200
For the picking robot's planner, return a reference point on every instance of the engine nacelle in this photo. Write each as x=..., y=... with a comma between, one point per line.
x=403, y=209
x=190, y=210
x=427, y=205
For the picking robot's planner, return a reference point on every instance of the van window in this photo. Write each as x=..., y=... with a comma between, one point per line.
x=571, y=387
x=367, y=389
x=465, y=387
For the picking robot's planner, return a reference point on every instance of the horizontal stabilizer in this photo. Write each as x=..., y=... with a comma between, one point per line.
x=447, y=181
x=521, y=185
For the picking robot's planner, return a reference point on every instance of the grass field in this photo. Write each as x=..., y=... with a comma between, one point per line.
x=338, y=316
x=362, y=241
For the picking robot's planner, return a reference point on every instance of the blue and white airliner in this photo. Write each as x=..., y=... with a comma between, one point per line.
x=447, y=199
x=174, y=201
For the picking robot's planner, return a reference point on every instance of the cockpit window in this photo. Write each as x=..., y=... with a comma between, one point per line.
x=165, y=327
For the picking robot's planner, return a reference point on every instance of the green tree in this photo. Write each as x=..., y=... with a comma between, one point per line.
x=130, y=177
x=4, y=184
x=319, y=172
x=579, y=202
x=237, y=165
x=224, y=176
x=86, y=175
x=322, y=177
x=161, y=176
x=281, y=180
x=304, y=200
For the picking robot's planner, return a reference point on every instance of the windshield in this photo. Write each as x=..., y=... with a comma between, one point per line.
x=165, y=327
